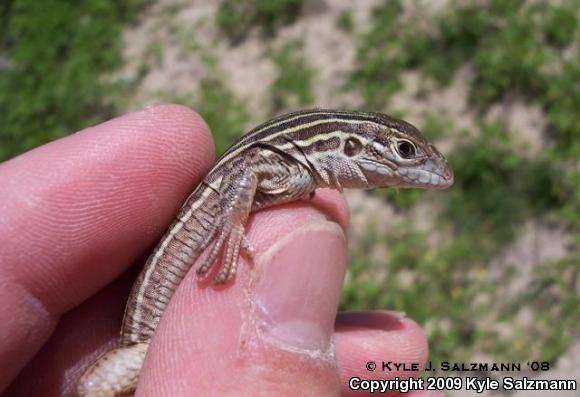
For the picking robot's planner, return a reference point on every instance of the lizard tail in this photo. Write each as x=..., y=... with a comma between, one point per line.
x=114, y=374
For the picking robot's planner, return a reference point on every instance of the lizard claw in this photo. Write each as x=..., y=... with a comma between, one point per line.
x=248, y=248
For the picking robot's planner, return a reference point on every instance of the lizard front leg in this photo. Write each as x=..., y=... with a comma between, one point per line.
x=237, y=193
x=259, y=179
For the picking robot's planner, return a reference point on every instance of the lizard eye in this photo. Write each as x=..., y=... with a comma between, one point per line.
x=406, y=149
x=352, y=146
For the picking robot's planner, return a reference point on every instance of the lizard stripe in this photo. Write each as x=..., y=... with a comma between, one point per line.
x=301, y=129
x=293, y=119
x=305, y=136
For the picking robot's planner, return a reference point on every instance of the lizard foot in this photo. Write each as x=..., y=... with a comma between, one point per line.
x=234, y=239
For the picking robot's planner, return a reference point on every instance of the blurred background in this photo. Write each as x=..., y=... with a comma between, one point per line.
x=489, y=268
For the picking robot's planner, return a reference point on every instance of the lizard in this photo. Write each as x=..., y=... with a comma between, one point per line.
x=282, y=160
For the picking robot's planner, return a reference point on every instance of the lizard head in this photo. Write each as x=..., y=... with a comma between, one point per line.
x=397, y=154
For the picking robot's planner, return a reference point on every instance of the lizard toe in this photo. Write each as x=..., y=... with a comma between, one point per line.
x=229, y=265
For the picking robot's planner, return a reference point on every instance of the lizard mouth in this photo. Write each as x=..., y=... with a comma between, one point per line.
x=427, y=179
x=428, y=175
x=432, y=174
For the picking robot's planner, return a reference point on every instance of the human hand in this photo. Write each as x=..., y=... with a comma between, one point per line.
x=77, y=212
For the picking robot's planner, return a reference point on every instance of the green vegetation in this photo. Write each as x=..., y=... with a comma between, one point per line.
x=291, y=89
x=382, y=55
x=513, y=46
x=54, y=53
x=345, y=22
x=237, y=18
x=510, y=45
x=496, y=191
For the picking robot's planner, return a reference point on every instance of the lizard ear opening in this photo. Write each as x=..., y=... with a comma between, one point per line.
x=352, y=147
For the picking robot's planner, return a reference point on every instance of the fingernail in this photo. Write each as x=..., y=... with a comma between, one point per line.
x=379, y=319
x=299, y=285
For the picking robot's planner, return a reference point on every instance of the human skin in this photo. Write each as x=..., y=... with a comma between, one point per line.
x=77, y=213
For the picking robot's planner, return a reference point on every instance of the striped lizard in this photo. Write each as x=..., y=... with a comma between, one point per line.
x=282, y=160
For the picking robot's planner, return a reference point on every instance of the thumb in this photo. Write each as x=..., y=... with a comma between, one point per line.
x=271, y=331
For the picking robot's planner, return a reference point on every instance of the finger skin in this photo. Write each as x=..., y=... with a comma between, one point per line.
x=78, y=211
x=378, y=337
x=80, y=337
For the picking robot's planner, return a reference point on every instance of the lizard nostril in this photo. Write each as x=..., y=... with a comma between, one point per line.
x=448, y=174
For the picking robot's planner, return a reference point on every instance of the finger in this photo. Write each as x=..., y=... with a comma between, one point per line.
x=81, y=335
x=270, y=331
x=78, y=211
x=378, y=345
